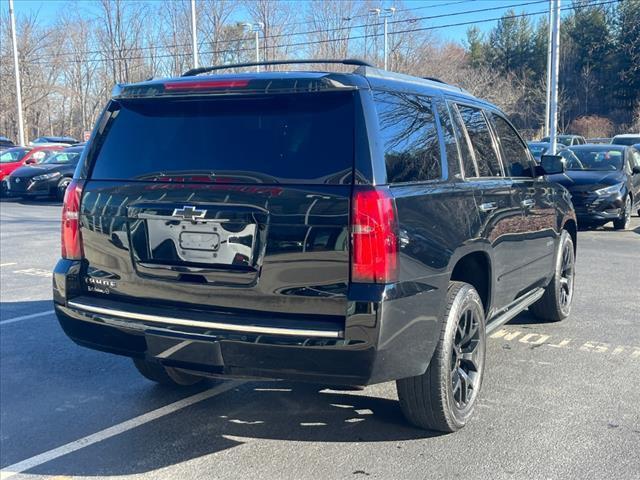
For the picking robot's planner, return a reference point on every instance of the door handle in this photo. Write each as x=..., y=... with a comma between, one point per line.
x=528, y=203
x=488, y=207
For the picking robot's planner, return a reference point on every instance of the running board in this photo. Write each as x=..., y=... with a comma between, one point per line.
x=510, y=312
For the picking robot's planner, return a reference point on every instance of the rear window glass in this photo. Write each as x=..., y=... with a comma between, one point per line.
x=410, y=137
x=280, y=139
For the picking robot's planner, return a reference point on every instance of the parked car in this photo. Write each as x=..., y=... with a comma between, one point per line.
x=345, y=229
x=49, y=178
x=567, y=140
x=55, y=140
x=540, y=148
x=604, y=182
x=599, y=140
x=626, y=139
x=5, y=143
x=14, y=158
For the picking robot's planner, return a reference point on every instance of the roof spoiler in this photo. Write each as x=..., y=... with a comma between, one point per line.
x=346, y=61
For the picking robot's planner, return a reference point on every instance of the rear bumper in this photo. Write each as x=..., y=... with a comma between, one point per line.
x=380, y=340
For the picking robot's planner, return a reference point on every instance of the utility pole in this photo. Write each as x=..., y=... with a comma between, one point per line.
x=16, y=70
x=194, y=35
x=388, y=13
x=256, y=27
x=555, y=56
x=547, y=111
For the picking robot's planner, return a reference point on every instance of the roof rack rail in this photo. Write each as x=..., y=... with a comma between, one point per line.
x=346, y=61
x=434, y=79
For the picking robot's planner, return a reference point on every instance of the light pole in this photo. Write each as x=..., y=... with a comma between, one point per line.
x=547, y=111
x=16, y=70
x=388, y=13
x=555, y=54
x=194, y=34
x=373, y=11
x=256, y=27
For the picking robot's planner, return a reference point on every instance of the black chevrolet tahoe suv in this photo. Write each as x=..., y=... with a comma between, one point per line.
x=343, y=229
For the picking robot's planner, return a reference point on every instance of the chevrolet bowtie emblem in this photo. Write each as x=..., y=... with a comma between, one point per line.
x=189, y=213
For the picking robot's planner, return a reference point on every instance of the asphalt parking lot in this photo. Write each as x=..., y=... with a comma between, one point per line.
x=560, y=400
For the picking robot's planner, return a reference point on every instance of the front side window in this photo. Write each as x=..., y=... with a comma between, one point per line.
x=481, y=141
x=409, y=137
x=514, y=152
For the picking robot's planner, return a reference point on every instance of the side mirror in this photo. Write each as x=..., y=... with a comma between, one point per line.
x=551, y=164
x=30, y=161
x=636, y=170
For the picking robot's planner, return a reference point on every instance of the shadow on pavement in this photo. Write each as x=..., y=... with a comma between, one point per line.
x=280, y=411
x=257, y=410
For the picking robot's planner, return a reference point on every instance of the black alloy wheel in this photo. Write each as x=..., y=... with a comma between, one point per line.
x=443, y=398
x=567, y=275
x=467, y=358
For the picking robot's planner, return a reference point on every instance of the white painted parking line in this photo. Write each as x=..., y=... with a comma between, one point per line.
x=8, y=264
x=26, y=317
x=71, y=447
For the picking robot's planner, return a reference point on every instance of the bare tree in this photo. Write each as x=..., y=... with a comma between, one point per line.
x=278, y=18
x=330, y=25
x=120, y=37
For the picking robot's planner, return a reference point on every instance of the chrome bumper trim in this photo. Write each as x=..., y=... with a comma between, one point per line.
x=297, y=332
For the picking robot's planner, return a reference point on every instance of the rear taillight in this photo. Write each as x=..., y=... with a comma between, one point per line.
x=374, y=254
x=71, y=242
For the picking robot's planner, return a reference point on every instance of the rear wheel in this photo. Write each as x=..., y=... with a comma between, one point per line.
x=443, y=398
x=555, y=303
x=165, y=375
x=623, y=222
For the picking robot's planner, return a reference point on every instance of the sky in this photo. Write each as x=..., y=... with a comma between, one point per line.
x=47, y=10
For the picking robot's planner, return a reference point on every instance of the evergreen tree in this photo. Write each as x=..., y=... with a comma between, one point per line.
x=475, y=47
x=511, y=43
x=627, y=46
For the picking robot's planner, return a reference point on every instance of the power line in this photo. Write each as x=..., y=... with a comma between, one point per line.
x=321, y=41
x=328, y=30
x=240, y=39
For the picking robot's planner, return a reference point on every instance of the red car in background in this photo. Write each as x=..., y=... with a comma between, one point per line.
x=15, y=157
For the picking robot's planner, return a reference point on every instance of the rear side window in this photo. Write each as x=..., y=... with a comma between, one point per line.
x=466, y=155
x=514, y=152
x=449, y=139
x=481, y=141
x=409, y=137
x=277, y=139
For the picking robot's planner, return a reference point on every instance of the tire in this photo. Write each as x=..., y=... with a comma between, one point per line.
x=62, y=187
x=441, y=399
x=623, y=222
x=165, y=375
x=555, y=303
